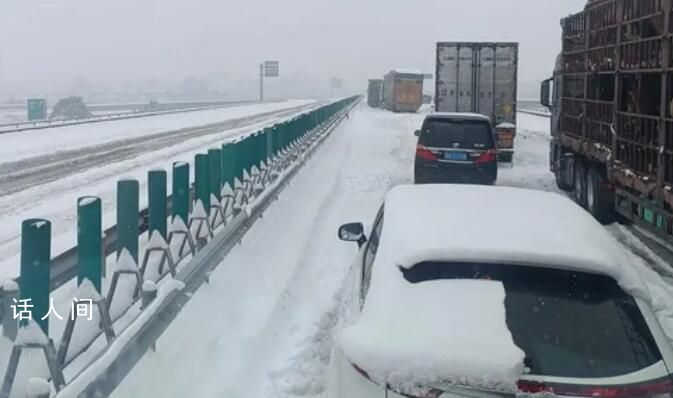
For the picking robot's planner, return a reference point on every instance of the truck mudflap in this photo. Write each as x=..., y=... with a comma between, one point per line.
x=504, y=135
x=505, y=155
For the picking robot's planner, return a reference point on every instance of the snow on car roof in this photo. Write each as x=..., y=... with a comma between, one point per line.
x=458, y=115
x=498, y=224
x=417, y=338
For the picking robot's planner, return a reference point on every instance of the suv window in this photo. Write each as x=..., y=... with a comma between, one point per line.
x=569, y=324
x=465, y=134
x=370, y=255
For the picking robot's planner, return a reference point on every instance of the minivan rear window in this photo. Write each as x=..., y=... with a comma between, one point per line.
x=569, y=324
x=466, y=134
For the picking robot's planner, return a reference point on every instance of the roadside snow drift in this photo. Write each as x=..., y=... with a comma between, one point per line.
x=448, y=331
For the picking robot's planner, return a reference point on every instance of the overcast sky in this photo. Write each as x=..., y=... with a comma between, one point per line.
x=112, y=41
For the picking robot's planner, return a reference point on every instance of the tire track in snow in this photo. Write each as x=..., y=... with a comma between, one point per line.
x=27, y=173
x=300, y=304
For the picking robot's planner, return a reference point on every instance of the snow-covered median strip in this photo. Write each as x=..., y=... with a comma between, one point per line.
x=449, y=331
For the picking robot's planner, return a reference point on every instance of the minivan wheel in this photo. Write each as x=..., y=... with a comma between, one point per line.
x=598, y=204
x=580, y=186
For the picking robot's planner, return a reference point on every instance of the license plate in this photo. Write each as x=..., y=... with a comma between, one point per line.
x=458, y=156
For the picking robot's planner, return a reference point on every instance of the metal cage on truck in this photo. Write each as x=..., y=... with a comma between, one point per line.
x=616, y=102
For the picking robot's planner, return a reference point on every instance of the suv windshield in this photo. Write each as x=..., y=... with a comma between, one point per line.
x=569, y=324
x=466, y=134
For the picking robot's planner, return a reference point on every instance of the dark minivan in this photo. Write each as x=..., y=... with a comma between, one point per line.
x=456, y=148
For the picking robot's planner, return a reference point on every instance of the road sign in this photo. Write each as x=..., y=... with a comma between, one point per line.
x=37, y=109
x=271, y=69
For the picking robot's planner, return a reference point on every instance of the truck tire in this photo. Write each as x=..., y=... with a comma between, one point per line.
x=599, y=204
x=560, y=171
x=580, y=183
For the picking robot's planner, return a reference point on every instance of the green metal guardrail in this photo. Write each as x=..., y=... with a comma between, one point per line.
x=246, y=165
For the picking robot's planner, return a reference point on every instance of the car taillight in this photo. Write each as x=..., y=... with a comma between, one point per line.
x=424, y=153
x=532, y=387
x=656, y=388
x=489, y=156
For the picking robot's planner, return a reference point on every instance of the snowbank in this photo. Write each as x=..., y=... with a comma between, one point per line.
x=449, y=331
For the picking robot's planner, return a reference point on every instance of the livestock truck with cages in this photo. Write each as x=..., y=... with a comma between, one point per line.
x=611, y=99
x=480, y=77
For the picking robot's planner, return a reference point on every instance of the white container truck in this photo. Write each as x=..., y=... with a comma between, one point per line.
x=480, y=78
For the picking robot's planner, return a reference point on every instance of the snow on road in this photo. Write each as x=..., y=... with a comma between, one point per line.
x=531, y=156
x=263, y=326
x=55, y=200
x=275, y=297
x=21, y=145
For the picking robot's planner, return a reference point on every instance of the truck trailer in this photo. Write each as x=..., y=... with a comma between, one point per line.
x=375, y=93
x=403, y=90
x=480, y=78
x=611, y=98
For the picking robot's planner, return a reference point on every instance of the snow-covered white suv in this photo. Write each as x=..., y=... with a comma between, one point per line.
x=493, y=291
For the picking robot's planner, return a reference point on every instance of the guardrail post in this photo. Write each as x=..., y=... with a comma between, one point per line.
x=227, y=167
x=181, y=190
x=246, y=152
x=262, y=146
x=237, y=160
x=156, y=185
x=147, y=296
x=35, y=261
x=270, y=138
x=215, y=171
x=202, y=181
x=127, y=217
x=9, y=324
x=89, y=241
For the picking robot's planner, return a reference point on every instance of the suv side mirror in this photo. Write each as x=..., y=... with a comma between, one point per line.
x=353, y=232
x=417, y=133
x=545, y=93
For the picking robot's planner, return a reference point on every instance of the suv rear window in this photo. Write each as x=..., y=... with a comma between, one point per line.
x=569, y=324
x=467, y=134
